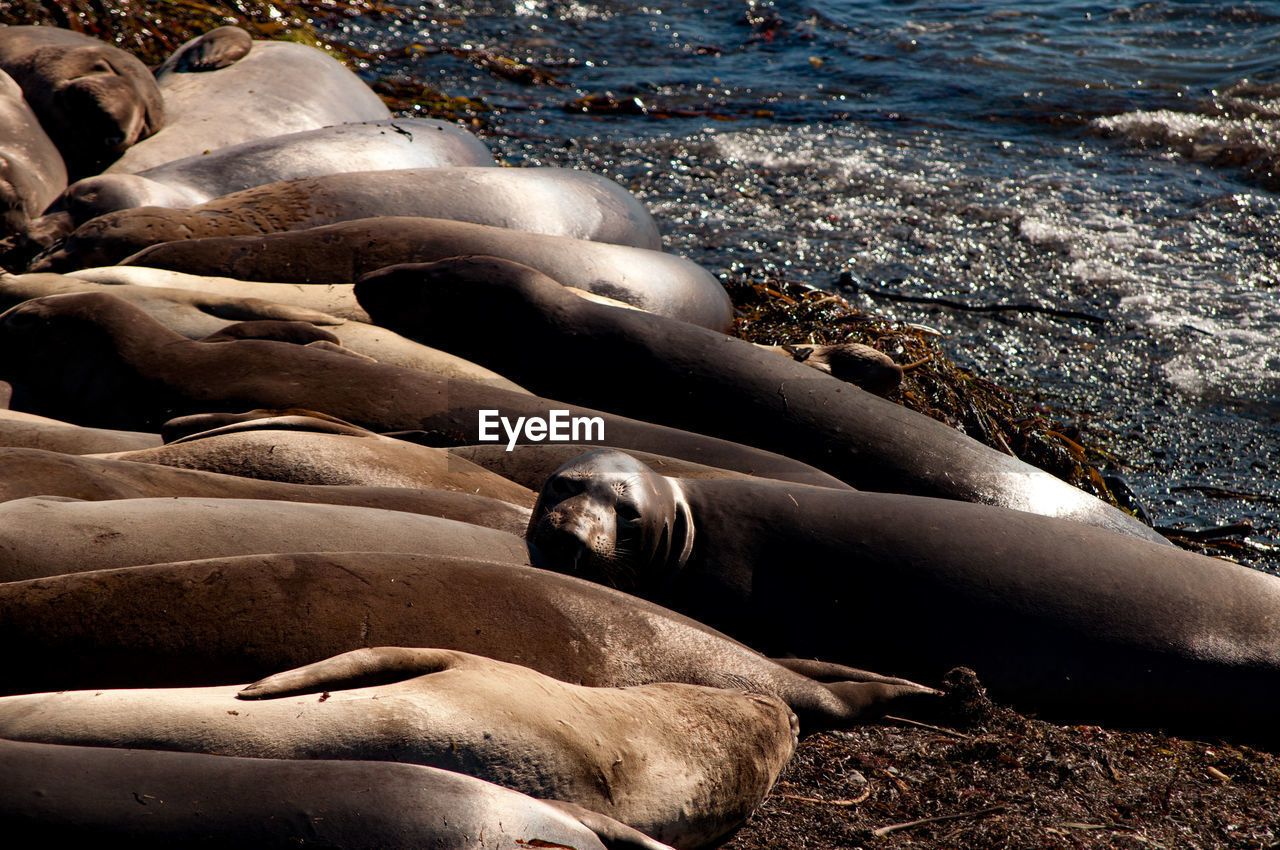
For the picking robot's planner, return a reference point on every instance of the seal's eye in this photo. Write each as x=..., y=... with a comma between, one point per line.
x=560, y=488
x=627, y=511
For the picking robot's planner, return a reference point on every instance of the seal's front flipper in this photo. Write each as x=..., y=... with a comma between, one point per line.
x=612, y=834
x=216, y=49
x=360, y=668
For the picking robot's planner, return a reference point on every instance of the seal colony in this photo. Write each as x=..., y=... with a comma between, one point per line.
x=254, y=451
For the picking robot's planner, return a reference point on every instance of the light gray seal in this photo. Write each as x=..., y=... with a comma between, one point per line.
x=279, y=87
x=549, y=201
x=681, y=763
x=366, y=146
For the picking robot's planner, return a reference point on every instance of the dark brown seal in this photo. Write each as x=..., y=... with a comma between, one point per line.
x=709, y=383
x=1057, y=617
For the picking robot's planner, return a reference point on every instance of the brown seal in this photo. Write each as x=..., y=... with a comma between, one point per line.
x=94, y=100
x=31, y=170
x=54, y=793
x=46, y=535
x=32, y=472
x=235, y=619
x=709, y=383
x=92, y=358
x=682, y=763
x=340, y=253
x=1057, y=617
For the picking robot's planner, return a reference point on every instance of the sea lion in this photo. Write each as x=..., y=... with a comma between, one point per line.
x=366, y=146
x=94, y=100
x=1056, y=617
x=93, y=358
x=156, y=799
x=32, y=472
x=709, y=383
x=198, y=315
x=681, y=763
x=339, y=253
x=279, y=87
x=233, y=619
x=357, y=458
x=549, y=201
x=27, y=430
x=31, y=170
x=78, y=536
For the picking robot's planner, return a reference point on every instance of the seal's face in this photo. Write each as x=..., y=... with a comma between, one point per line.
x=607, y=517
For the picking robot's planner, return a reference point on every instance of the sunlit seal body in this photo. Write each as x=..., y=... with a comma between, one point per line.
x=340, y=253
x=27, y=430
x=365, y=146
x=681, y=763
x=32, y=472
x=94, y=100
x=95, y=359
x=279, y=87
x=198, y=314
x=234, y=619
x=31, y=170
x=45, y=535
x=550, y=201
x=155, y=799
x=1058, y=617
x=708, y=383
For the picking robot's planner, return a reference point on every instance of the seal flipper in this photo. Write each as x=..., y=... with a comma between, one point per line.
x=216, y=49
x=869, y=700
x=360, y=668
x=613, y=834
x=827, y=671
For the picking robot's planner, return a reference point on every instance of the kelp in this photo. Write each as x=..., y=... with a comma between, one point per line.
x=781, y=312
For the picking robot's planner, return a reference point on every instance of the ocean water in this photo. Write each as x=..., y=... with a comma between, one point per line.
x=1120, y=160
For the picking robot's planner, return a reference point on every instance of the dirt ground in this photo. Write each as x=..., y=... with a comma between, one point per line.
x=992, y=778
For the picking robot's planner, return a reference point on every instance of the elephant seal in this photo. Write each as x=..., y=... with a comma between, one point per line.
x=32, y=472
x=335, y=299
x=233, y=619
x=32, y=173
x=279, y=87
x=78, y=536
x=357, y=458
x=1057, y=617
x=549, y=201
x=198, y=315
x=156, y=799
x=366, y=146
x=681, y=763
x=94, y=100
x=27, y=430
x=210, y=51
x=709, y=383
x=340, y=253
x=93, y=358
